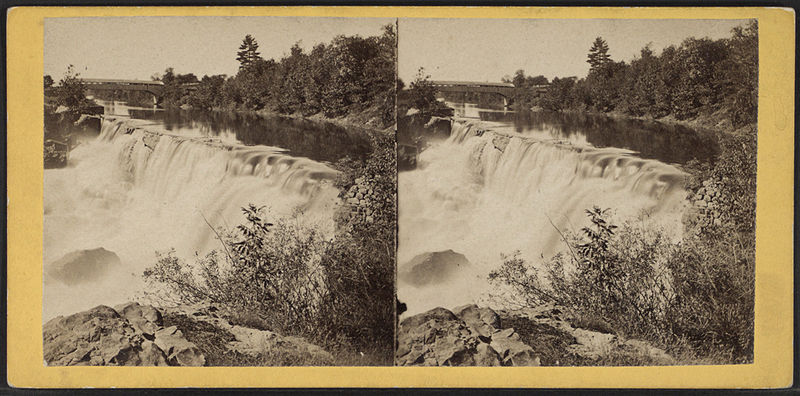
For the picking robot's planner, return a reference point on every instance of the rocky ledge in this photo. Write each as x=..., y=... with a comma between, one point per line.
x=477, y=336
x=132, y=334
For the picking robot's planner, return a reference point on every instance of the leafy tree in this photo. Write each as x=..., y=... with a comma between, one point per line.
x=71, y=92
x=422, y=93
x=48, y=81
x=248, y=52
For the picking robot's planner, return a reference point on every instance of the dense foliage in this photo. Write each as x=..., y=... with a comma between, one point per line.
x=696, y=78
x=283, y=275
x=694, y=297
x=350, y=75
x=70, y=91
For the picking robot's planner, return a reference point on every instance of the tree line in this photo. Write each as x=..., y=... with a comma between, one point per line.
x=698, y=77
x=349, y=75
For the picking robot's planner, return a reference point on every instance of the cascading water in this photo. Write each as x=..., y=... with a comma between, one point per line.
x=134, y=192
x=484, y=193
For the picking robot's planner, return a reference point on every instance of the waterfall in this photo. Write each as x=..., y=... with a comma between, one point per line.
x=135, y=191
x=484, y=193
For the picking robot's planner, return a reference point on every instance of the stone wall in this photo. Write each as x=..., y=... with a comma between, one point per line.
x=358, y=199
x=705, y=206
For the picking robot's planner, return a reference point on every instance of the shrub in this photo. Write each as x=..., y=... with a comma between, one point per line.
x=271, y=270
x=285, y=276
x=697, y=292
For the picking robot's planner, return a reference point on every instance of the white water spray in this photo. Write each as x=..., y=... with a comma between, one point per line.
x=135, y=192
x=483, y=193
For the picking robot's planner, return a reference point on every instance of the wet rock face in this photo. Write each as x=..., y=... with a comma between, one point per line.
x=128, y=335
x=433, y=268
x=82, y=266
x=468, y=337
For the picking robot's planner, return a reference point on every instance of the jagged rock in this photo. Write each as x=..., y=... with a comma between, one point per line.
x=99, y=336
x=434, y=338
x=486, y=356
x=433, y=268
x=82, y=266
x=143, y=318
x=179, y=351
x=482, y=321
x=440, y=338
x=512, y=350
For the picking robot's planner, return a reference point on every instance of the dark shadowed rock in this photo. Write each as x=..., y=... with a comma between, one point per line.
x=433, y=268
x=83, y=266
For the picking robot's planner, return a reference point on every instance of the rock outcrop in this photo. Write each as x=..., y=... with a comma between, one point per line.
x=82, y=266
x=254, y=342
x=478, y=336
x=433, y=268
x=99, y=337
x=441, y=337
x=132, y=334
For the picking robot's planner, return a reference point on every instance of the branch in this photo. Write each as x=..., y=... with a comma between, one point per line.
x=225, y=246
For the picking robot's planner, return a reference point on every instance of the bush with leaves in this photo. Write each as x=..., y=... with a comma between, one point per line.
x=285, y=276
x=271, y=270
x=697, y=293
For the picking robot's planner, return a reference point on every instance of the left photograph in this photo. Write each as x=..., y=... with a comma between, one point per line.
x=219, y=191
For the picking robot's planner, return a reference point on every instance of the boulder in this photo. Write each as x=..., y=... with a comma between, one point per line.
x=482, y=321
x=512, y=350
x=433, y=268
x=97, y=337
x=486, y=356
x=435, y=338
x=82, y=266
x=440, y=337
x=179, y=351
x=143, y=318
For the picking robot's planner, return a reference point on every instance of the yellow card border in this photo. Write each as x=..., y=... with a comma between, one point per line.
x=774, y=230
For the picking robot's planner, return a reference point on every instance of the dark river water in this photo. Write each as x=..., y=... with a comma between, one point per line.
x=319, y=141
x=673, y=144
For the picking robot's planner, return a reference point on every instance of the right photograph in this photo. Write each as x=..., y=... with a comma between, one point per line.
x=576, y=192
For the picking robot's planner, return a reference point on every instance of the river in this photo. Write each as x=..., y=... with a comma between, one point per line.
x=506, y=181
x=152, y=178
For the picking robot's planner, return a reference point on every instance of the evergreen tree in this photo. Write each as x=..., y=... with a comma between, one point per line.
x=248, y=52
x=598, y=54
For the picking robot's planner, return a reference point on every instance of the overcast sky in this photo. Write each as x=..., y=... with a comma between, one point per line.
x=138, y=47
x=488, y=49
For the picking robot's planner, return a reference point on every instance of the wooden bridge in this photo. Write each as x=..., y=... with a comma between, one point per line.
x=504, y=90
x=155, y=88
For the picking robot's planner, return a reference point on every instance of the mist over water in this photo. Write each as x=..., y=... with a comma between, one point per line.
x=488, y=191
x=134, y=192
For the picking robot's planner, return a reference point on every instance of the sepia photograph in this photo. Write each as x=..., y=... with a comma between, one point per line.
x=576, y=192
x=219, y=191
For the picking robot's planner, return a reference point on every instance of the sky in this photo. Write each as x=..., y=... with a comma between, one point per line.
x=138, y=47
x=489, y=49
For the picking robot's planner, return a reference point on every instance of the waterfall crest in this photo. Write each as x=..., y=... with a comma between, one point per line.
x=135, y=190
